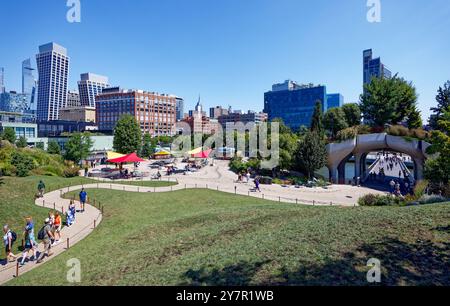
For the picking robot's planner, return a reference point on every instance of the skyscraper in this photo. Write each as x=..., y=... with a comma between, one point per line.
x=90, y=86
x=53, y=68
x=29, y=83
x=373, y=67
x=335, y=100
x=2, y=80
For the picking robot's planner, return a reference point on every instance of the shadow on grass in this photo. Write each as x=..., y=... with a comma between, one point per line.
x=421, y=263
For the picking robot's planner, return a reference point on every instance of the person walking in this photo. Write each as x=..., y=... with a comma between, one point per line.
x=8, y=239
x=46, y=235
x=83, y=199
x=257, y=184
x=57, y=226
x=247, y=175
x=392, y=186
x=71, y=214
x=41, y=189
x=30, y=241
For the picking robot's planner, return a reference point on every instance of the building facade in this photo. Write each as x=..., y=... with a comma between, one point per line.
x=53, y=69
x=179, y=108
x=29, y=84
x=294, y=103
x=15, y=102
x=2, y=80
x=245, y=118
x=373, y=67
x=156, y=113
x=335, y=100
x=57, y=128
x=73, y=99
x=80, y=114
x=90, y=86
x=218, y=111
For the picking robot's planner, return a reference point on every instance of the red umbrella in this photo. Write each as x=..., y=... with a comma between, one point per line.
x=130, y=158
x=204, y=154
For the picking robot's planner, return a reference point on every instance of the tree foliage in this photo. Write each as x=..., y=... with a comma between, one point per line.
x=316, y=123
x=334, y=121
x=437, y=170
x=53, y=148
x=415, y=119
x=23, y=163
x=9, y=134
x=127, y=135
x=352, y=113
x=78, y=147
x=148, y=147
x=387, y=101
x=443, y=100
x=22, y=142
x=311, y=154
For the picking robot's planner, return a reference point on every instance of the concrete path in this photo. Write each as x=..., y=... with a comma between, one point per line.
x=83, y=226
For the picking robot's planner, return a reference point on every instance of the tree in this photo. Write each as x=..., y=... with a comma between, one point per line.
x=23, y=163
x=9, y=134
x=311, y=154
x=40, y=146
x=334, y=120
x=148, y=148
x=415, y=119
x=288, y=146
x=53, y=148
x=352, y=114
x=387, y=101
x=78, y=147
x=437, y=170
x=127, y=135
x=22, y=142
x=443, y=100
x=316, y=123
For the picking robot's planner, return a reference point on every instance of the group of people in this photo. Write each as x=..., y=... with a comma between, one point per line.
x=400, y=188
x=49, y=234
x=244, y=175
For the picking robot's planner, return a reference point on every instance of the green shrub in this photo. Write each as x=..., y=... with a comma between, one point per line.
x=431, y=199
x=23, y=163
x=379, y=200
x=347, y=134
x=400, y=130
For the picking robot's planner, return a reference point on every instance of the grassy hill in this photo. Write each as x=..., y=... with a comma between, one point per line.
x=203, y=237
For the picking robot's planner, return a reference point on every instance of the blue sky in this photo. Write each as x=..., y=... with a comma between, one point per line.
x=232, y=51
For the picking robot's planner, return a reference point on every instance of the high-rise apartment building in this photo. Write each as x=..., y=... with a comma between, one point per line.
x=373, y=67
x=90, y=86
x=53, y=68
x=239, y=117
x=156, y=113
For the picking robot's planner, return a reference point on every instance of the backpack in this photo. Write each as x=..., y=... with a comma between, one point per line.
x=41, y=234
x=13, y=236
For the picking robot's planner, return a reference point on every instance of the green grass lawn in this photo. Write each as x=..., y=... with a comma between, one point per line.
x=203, y=237
x=146, y=183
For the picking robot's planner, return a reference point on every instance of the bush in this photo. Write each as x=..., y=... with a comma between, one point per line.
x=23, y=163
x=379, y=200
x=400, y=130
x=71, y=170
x=431, y=199
x=347, y=134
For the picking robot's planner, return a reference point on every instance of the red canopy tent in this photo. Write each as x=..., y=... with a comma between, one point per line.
x=204, y=154
x=130, y=158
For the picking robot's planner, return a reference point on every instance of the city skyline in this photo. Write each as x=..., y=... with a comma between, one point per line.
x=240, y=56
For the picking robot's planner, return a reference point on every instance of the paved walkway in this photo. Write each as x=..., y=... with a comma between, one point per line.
x=83, y=227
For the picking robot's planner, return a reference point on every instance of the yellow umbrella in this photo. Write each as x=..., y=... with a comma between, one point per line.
x=161, y=153
x=114, y=155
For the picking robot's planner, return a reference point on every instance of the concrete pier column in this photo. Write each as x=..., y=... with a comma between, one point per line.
x=418, y=168
x=332, y=170
x=341, y=173
x=358, y=162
